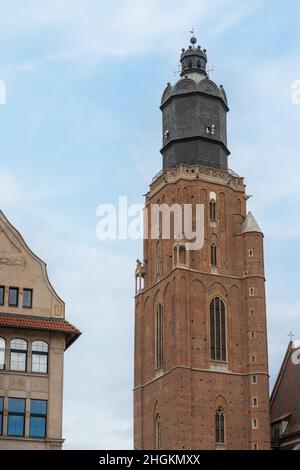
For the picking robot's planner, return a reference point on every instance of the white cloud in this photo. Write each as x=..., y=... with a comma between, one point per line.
x=106, y=430
x=120, y=28
x=233, y=17
x=14, y=193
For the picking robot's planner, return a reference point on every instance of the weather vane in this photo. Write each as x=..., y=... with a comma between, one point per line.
x=192, y=31
x=178, y=70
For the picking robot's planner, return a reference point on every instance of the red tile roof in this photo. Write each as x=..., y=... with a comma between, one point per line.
x=11, y=320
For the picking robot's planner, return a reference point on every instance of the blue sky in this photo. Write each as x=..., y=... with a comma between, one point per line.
x=82, y=126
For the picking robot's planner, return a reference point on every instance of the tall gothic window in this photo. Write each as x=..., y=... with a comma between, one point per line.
x=220, y=426
x=157, y=432
x=213, y=255
x=213, y=210
x=159, y=337
x=217, y=330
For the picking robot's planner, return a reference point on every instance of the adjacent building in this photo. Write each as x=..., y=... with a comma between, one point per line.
x=33, y=338
x=201, y=363
x=285, y=402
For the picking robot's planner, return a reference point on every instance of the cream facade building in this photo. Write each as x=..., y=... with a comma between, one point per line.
x=33, y=338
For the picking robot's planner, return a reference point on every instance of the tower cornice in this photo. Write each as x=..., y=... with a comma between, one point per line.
x=194, y=93
x=196, y=172
x=196, y=137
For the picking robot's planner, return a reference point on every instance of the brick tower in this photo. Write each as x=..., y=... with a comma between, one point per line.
x=201, y=364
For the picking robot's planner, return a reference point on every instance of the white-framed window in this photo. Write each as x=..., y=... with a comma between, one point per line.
x=250, y=253
x=2, y=353
x=254, y=402
x=254, y=423
x=254, y=379
x=40, y=357
x=252, y=334
x=252, y=291
x=254, y=446
x=18, y=355
x=252, y=312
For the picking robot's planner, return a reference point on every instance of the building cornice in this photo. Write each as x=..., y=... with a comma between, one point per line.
x=215, y=275
x=196, y=369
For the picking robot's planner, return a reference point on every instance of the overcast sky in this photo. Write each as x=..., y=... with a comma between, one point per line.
x=82, y=125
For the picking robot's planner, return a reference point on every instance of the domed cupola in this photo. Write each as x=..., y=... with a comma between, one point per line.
x=193, y=61
x=194, y=113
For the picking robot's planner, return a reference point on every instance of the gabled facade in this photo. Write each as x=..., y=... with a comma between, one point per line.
x=33, y=338
x=285, y=402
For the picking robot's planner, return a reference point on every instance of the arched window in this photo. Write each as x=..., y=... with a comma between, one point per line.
x=39, y=357
x=220, y=426
x=217, y=330
x=213, y=255
x=18, y=354
x=157, y=432
x=159, y=337
x=2, y=354
x=213, y=210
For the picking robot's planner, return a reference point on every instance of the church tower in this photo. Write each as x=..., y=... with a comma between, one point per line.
x=201, y=365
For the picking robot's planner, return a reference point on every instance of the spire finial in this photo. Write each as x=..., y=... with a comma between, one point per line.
x=290, y=334
x=193, y=39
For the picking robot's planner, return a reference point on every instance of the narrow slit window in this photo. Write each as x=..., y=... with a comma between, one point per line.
x=159, y=337
x=220, y=426
x=213, y=210
x=157, y=432
x=214, y=255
